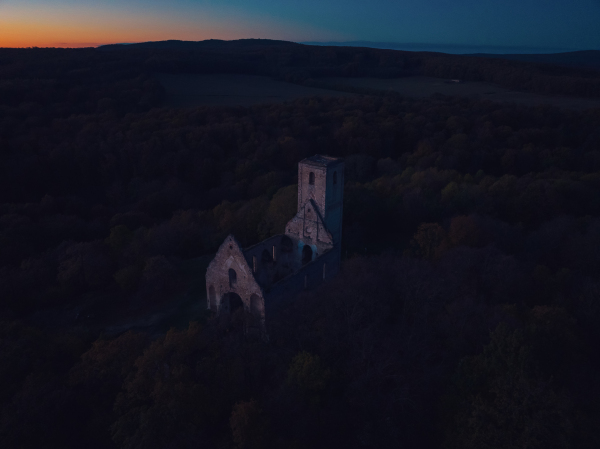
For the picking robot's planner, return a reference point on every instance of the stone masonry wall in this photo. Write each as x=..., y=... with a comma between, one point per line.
x=272, y=259
x=307, y=278
x=308, y=191
x=308, y=226
x=219, y=281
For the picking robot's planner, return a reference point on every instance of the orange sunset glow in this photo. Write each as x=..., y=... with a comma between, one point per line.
x=45, y=27
x=79, y=32
x=28, y=34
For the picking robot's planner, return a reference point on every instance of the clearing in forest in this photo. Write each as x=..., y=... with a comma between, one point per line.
x=424, y=87
x=192, y=90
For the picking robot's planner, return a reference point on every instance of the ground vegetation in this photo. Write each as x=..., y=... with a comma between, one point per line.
x=466, y=313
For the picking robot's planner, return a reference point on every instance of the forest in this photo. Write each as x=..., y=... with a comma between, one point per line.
x=466, y=314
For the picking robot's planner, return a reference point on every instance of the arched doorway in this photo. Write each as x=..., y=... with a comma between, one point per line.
x=231, y=303
x=307, y=253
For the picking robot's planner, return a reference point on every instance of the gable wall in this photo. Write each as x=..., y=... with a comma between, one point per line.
x=308, y=227
x=230, y=256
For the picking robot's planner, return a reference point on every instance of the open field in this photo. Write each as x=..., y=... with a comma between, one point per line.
x=233, y=90
x=188, y=90
x=421, y=86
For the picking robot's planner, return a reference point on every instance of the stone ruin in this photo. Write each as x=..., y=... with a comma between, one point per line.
x=261, y=279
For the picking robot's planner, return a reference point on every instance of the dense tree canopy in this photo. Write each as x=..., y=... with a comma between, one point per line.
x=466, y=313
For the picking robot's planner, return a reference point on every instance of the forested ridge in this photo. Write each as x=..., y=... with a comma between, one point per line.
x=306, y=64
x=466, y=313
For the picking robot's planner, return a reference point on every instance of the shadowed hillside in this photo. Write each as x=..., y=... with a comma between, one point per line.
x=562, y=74
x=589, y=59
x=210, y=44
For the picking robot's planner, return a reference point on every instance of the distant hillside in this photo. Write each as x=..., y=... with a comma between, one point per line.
x=208, y=44
x=573, y=74
x=583, y=59
x=453, y=49
x=586, y=59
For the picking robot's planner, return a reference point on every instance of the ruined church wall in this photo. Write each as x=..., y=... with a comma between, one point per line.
x=273, y=248
x=275, y=270
x=270, y=260
x=307, y=278
x=218, y=278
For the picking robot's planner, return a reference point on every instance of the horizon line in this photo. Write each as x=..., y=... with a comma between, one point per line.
x=383, y=45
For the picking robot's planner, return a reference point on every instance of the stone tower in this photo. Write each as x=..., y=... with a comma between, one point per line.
x=321, y=179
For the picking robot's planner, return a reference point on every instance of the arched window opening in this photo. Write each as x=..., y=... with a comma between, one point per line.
x=256, y=306
x=311, y=178
x=232, y=278
x=334, y=178
x=212, y=299
x=265, y=257
x=287, y=245
x=306, y=254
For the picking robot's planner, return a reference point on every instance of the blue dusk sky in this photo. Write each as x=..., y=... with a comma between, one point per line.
x=557, y=24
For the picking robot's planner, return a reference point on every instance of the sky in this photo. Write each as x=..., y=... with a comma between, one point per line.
x=557, y=24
